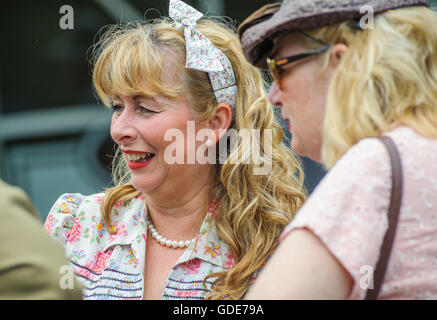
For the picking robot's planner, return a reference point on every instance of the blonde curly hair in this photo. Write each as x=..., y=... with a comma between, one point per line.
x=253, y=209
x=388, y=75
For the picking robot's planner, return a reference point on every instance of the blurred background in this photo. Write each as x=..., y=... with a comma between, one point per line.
x=54, y=133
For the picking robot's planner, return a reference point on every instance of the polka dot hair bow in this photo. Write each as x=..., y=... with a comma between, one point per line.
x=202, y=55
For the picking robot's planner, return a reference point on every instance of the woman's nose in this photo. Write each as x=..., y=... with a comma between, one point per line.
x=274, y=95
x=122, y=128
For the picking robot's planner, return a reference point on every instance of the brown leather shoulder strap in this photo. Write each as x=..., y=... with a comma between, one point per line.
x=393, y=214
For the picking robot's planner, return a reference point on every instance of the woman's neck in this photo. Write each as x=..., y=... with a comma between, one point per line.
x=179, y=216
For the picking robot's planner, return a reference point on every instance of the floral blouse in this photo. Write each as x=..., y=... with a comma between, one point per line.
x=112, y=266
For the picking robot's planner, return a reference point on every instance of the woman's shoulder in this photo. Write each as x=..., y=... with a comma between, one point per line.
x=75, y=217
x=70, y=203
x=365, y=149
x=366, y=159
x=369, y=156
x=412, y=144
x=367, y=162
x=67, y=210
x=371, y=151
x=87, y=206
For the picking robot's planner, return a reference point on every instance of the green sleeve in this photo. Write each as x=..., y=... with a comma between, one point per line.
x=31, y=263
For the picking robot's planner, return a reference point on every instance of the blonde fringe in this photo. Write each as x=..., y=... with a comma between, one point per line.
x=253, y=209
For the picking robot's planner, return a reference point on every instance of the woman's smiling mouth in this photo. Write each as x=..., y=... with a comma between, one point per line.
x=138, y=159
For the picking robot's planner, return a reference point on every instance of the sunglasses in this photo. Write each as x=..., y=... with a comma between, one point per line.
x=276, y=66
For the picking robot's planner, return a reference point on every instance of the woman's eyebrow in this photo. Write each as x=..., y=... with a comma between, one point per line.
x=144, y=97
x=147, y=98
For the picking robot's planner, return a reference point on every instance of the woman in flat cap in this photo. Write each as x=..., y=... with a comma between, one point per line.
x=186, y=218
x=357, y=81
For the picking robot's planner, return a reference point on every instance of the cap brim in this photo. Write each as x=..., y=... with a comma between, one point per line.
x=257, y=40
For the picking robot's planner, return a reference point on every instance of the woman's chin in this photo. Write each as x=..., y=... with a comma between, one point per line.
x=312, y=153
x=143, y=184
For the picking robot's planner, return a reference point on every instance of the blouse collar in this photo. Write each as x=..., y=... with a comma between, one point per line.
x=130, y=223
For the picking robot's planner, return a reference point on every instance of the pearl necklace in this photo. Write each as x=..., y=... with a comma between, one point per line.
x=169, y=243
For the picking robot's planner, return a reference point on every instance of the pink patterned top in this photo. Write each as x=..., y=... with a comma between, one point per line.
x=348, y=212
x=112, y=266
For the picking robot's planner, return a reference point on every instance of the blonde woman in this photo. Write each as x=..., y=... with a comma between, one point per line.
x=175, y=227
x=345, y=73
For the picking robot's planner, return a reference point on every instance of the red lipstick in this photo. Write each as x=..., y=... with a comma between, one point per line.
x=133, y=165
x=138, y=162
x=132, y=151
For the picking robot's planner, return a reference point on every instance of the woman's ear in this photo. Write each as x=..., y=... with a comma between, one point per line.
x=221, y=119
x=337, y=53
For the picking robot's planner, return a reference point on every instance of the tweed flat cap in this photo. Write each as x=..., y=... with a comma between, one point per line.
x=256, y=38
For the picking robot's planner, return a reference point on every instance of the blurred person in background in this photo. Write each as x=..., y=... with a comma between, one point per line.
x=344, y=77
x=31, y=264
x=179, y=230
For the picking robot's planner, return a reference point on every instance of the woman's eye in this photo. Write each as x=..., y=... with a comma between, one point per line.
x=145, y=110
x=116, y=108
